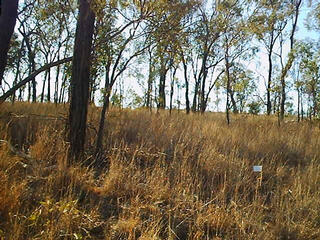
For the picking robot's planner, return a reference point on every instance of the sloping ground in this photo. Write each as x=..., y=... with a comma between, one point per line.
x=163, y=177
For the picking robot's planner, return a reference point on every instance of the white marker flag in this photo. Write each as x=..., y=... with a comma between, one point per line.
x=257, y=168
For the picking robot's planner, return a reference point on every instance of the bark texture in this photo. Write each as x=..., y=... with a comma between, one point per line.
x=80, y=80
x=8, y=17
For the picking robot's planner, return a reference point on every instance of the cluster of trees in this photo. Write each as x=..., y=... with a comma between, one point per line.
x=68, y=49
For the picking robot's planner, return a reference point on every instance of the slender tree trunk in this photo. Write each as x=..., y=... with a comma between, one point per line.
x=34, y=85
x=149, y=91
x=49, y=86
x=8, y=17
x=63, y=88
x=150, y=82
x=162, y=85
x=196, y=93
x=29, y=91
x=275, y=100
x=186, y=81
x=172, y=88
x=203, y=85
x=269, y=106
x=56, y=85
x=43, y=87
x=315, y=102
x=92, y=89
x=32, y=64
x=16, y=79
x=20, y=97
x=290, y=60
x=228, y=84
x=17, y=70
x=80, y=80
x=283, y=98
x=298, y=91
x=105, y=108
x=301, y=102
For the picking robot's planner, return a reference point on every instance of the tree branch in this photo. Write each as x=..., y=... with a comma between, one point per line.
x=32, y=76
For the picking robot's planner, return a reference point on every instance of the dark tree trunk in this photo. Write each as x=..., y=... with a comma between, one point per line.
x=33, y=81
x=315, y=101
x=162, y=84
x=8, y=17
x=228, y=86
x=269, y=106
x=196, y=91
x=150, y=82
x=290, y=60
x=203, y=86
x=43, y=87
x=283, y=98
x=105, y=107
x=62, y=89
x=92, y=89
x=29, y=91
x=80, y=80
x=172, y=88
x=185, y=71
x=32, y=64
x=19, y=96
x=16, y=80
x=149, y=92
x=299, y=97
x=301, y=102
x=17, y=70
x=56, y=85
x=49, y=86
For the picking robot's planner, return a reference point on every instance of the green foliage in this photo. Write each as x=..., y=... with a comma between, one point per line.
x=117, y=99
x=308, y=57
x=15, y=52
x=135, y=101
x=254, y=107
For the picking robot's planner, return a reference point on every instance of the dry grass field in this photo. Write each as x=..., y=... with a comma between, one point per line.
x=161, y=177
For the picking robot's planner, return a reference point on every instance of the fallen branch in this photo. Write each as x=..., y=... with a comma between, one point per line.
x=31, y=77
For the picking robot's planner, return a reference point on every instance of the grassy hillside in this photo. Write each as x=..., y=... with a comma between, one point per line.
x=162, y=177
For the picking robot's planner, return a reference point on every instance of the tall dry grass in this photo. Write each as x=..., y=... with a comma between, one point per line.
x=163, y=177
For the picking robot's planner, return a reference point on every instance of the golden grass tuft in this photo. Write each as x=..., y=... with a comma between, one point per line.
x=165, y=177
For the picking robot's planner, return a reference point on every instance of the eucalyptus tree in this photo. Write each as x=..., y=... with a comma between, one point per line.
x=267, y=22
x=80, y=80
x=41, y=38
x=151, y=77
x=295, y=6
x=121, y=37
x=26, y=29
x=166, y=25
x=308, y=81
x=233, y=19
x=55, y=32
x=185, y=51
x=207, y=54
x=16, y=57
x=242, y=86
x=40, y=24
